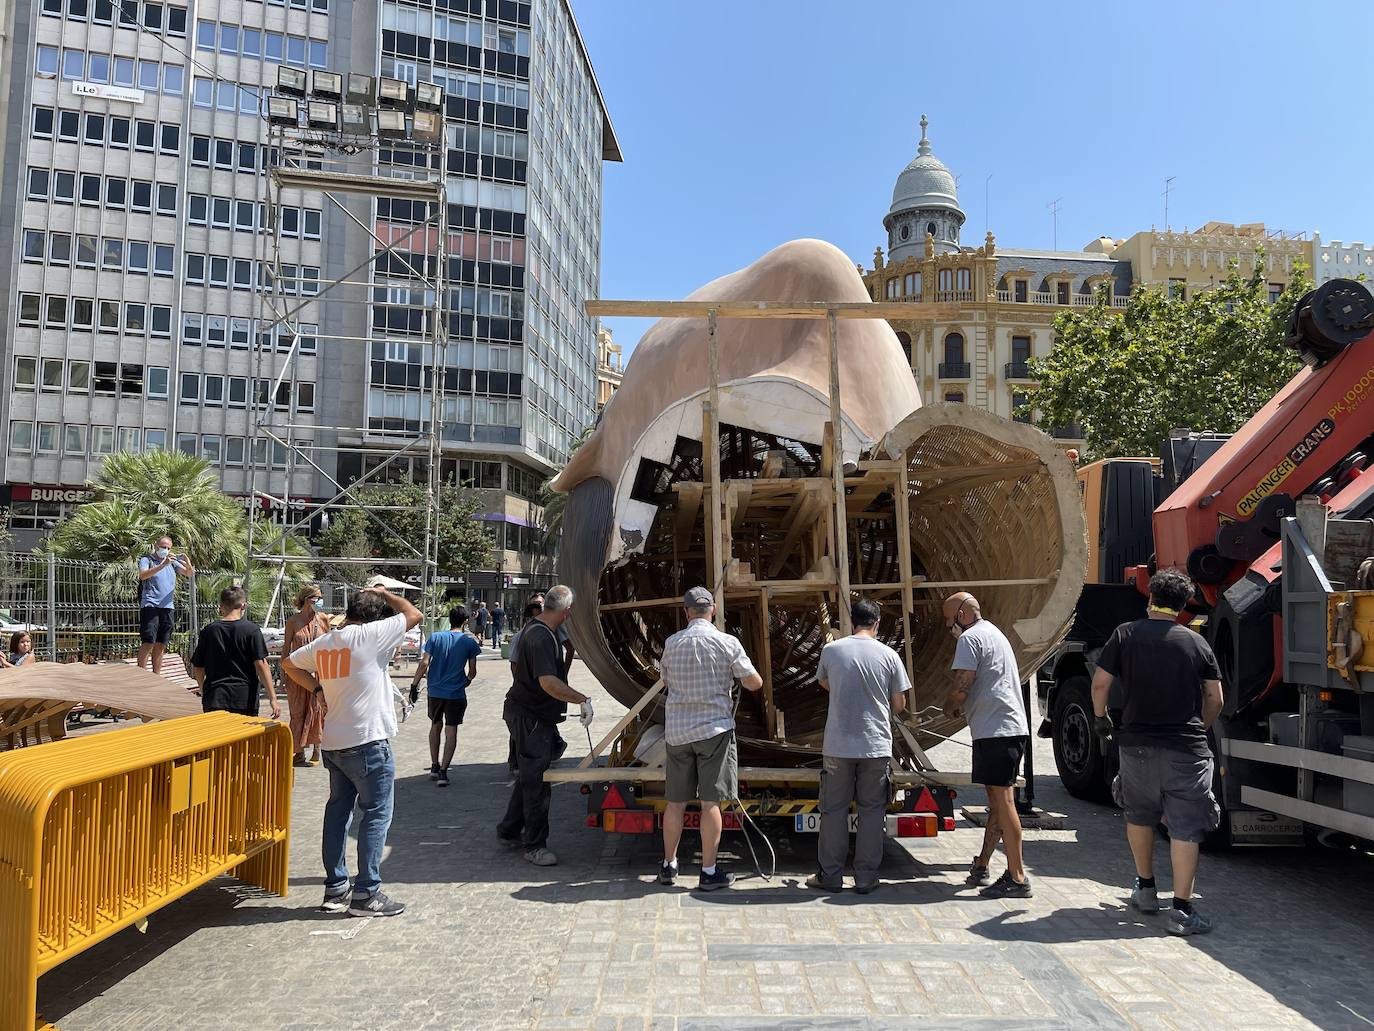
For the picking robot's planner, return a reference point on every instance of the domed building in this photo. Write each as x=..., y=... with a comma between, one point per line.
x=925, y=203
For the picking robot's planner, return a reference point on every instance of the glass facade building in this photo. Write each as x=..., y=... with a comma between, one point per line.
x=132, y=200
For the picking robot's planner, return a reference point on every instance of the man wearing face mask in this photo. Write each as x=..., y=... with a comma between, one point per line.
x=987, y=693
x=157, y=576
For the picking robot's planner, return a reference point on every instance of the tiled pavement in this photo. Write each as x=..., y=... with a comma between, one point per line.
x=491, y=942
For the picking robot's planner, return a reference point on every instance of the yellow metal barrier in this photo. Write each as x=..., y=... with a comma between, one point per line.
x=98, y=832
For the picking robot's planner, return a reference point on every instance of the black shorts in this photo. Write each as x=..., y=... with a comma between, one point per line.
x=450, y=710
x=154, y=625
x=996, y=760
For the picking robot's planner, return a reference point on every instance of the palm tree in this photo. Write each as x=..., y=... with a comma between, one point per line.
x=140, y=497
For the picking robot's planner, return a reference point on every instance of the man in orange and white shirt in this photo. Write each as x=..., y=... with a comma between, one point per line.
x=349, y=666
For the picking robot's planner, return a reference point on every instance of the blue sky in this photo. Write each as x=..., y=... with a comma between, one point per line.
x=748, y=123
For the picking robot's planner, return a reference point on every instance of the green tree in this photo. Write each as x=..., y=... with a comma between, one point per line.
x=464, y=543
x=1130, y=376
x=140, y=497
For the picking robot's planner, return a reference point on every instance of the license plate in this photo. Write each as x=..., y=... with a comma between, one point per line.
x=691, y=820
x=1256, y=827
x=810, y=823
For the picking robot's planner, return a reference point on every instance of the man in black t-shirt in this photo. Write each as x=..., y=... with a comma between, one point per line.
x=1171, y=691
x=536, y=703
x=230, y=661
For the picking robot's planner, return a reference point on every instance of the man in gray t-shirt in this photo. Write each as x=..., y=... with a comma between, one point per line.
x=867, y=685
x=987, y=694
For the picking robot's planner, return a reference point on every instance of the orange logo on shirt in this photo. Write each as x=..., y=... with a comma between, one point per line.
x=333, y=663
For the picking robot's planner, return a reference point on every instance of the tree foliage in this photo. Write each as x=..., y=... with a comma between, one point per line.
x=464, y=542
x=1130, y=376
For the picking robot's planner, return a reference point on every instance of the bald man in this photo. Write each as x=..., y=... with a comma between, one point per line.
x=987, y=694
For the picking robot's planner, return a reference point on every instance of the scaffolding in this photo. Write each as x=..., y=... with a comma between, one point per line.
x=340, y=167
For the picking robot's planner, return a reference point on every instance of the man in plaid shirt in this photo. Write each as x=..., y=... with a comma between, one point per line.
x=699, y=667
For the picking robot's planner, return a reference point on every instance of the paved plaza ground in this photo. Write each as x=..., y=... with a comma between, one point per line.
x=489, y=941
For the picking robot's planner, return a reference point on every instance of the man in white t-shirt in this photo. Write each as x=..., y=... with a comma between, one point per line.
x=349, y=666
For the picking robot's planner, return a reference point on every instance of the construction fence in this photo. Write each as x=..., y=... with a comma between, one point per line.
x=88, y=611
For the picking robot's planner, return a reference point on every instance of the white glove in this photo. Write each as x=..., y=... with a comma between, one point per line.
x=586, y=716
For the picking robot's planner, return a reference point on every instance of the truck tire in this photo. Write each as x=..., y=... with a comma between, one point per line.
x=1077, y=751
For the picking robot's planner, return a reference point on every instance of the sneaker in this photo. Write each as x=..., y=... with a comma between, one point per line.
x=434, y=772
x=335, y=901
x=541, y=857
x=509, y=842
x=667, y=874
x=1179, y=922
x=978, y=874
x=1145, y=899
x=442, y=779
x=1006, y=888
x=376, y=904
x=819, y=883
x=715, y=881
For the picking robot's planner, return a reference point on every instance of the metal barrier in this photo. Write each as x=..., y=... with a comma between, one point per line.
x=98, y=832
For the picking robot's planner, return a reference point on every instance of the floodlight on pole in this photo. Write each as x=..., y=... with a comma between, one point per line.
x=427, y=126
x=362, y=89
x=393, y=92
x=354, y=120
x=321, y=114
x=290, y=81
x=326, y=84
x=391, y=124
x=283, y=111
x=429, y=97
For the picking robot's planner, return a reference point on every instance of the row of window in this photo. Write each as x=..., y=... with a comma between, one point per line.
x=231, y=451
x=250, y=274
x=71, y=438
x=95, y=128
x=242, y=41
x=216, y=94
x=78, y=65
x=103, y=379
x=217, y=391
x=134, y=256
x=239, y=333
x=488, y=142
x=248, y=216
x=413, y=407
x=109, y=191
x=447, y=28
x=169, y=18
x=84, y=314
x=238, y=156
x=947, y=279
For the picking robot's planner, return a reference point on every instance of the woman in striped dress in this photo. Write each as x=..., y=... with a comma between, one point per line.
x=307, y=708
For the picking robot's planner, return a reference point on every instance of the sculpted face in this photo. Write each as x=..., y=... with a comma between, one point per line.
x=947, y=494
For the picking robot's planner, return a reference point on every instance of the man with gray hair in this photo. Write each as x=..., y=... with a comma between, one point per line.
x=536, y=703
x=699, y=667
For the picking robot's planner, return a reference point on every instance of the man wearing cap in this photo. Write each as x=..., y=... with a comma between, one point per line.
x=699, y=667
x=987, y=693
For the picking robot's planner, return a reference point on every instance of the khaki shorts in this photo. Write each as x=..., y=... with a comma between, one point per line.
x=705, y=770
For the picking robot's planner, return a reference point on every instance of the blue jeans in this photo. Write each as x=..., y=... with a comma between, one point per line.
x=366, y=775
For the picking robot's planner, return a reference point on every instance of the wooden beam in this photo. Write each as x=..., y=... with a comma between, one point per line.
x=751, y=774
x=837, y=436
x=798, y=518
x=688, y=504
x=711, y=441
x=898, y=310
x=770, y=712
x=904, y=563
x=644, y=700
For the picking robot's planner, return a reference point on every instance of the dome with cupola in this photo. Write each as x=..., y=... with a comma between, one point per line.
x=925, y=202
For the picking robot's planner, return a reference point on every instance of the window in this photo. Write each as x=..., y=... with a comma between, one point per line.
x=152, y=17
x=173, y=80
x=145, y=134
x=157, y=381
x=1020, y=350
x=45, y=63
x=191, y=327
x=42, y=124
x=21, y=436
x=1018, y=402
x=156, y=440
x=141, y=195
x=176, y=21
x=215, y=330
x=90, y=190
x=164, y=260
x=252, y=43
x=219, y=271
x=30, y=306
x=87, y=248
x=53, y=375
x=79, y=377
x=954, y=349
x=39, y=184
x=73, y=439
x=56, y=314
x=238, y=391
x=160, y=321
x=112, y=255
x=116, y=192
x=954, y=396
x=305, y=397
x=95, y=130
x=197, y=209
x=109, y=317
x=124, y=71
x=240, y=332
x=319, y=57
x=64, y=187
x=131, y=380
x=135, y=318
x=128, y=438
x=200, y=150
x=245, y=215
x=99, y=70
x=186, y=443
x=190, y=388
x=83, y=313
x=25, y=373
x=1061, y=291
x=210, y=448
x=47, y=438
x=170, y=142
x=119, y=132
x=138, y=257
x=102, y=440
x=205, y=35
x=60, y=249
x=195, y=268
x=233, y=450
x=149, y=75
x=214, y=390
x=309, y=341
x=166, y=199
x=228, y=39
